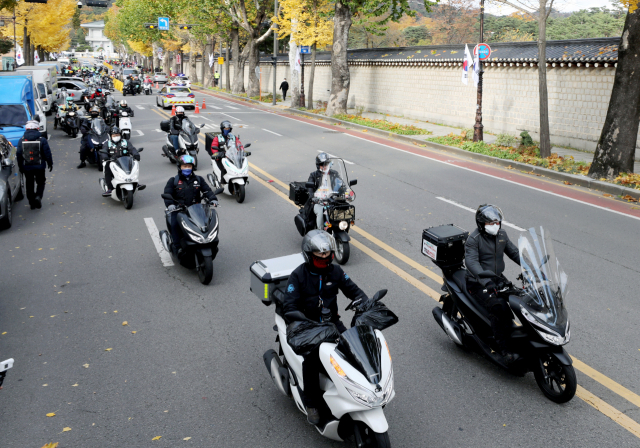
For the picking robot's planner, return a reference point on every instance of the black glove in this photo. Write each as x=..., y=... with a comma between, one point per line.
x=491, y=288
x=50, y=167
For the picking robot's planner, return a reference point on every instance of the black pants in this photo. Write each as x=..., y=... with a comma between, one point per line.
x=311, y=369
x=86, y=145
x=500, y=313
x=176, y=235
x=108, y=175
x=37, y=176
x=284, y=94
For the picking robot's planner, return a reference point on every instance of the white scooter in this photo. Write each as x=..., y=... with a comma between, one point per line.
x=359, y=368
x=125, y=125
x=236, y=165
x=126, y=171
x=147, y=89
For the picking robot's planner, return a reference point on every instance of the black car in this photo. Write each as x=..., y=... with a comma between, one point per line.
x=11, y=182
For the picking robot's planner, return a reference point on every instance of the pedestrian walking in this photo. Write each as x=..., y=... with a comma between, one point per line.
x=34, y=155
x=284, y=87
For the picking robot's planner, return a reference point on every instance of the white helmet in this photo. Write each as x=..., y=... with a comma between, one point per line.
x=123, y=103
x=179, y=109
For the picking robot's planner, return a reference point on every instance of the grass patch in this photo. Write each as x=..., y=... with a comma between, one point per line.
x=404, y=129
x=524, y=154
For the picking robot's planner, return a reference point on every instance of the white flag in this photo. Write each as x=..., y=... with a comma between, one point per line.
x=468, y=63
x=296, y=66
x=476, y=70
x=36, y=58
x=19, y=56
x=211, y=60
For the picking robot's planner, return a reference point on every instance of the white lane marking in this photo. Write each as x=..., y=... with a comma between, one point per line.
x=205, y=118
x=336, y=157
x=231, y=107
x=214, y=107
x=139, y=107
x=230, y=116
x=139, y=132
x=275, y=133
x=165, y=256
x=464, y=207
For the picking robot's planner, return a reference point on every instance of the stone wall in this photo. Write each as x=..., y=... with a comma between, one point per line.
x=578, y=97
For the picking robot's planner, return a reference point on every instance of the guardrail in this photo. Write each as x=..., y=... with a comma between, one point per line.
x=117, y=84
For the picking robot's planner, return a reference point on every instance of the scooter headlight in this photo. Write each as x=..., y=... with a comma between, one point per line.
x=343, y=225
x=195, y=236
x=545, y=332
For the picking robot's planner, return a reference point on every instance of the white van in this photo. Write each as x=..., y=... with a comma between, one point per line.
x=45, y=78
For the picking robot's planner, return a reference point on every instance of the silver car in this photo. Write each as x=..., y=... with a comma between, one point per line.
x=160, y=77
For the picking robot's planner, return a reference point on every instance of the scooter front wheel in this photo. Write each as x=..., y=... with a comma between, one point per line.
x=343, y=252
x=365, y=437
x=556, y=381
x=239, y=192
x=127, y=199
x=205, y=268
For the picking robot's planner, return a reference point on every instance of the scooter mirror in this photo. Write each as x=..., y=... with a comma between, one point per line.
x=310, y=185
x=379, y=295
x=167, y=196
x=353, y=182
x=247, y=145
x=140, y=149
x=202, y=125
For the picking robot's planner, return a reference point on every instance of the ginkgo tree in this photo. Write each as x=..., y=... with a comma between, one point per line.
x=308, y=23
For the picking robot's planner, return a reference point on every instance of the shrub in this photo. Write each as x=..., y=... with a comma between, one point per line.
x=507, y=140
x=526, y=139
x=467, y=133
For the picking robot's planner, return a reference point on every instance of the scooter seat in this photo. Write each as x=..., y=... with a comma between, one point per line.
x=459, y=284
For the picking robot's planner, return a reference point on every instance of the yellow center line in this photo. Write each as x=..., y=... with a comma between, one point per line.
x=579, y=365
x=608, y=410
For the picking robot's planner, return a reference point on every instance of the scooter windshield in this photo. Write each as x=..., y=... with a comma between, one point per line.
x=335, y=182
x=125, y=163
x=361, y=348
x=189, y=132
x=98, y=126
x=545, y=282
x=235, y=155
x=199, y=216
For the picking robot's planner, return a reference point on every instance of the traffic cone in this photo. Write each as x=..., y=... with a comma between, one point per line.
x=197, y=111
x=173, y=111
x=204, y=105
x=157, y=85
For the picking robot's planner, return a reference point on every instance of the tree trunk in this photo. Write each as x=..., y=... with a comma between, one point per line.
x=25, y=45
x=617, y=145
x=311, y=74
x=340, y=77
x=294, y=81
x=208, y=76
x=227, y=78
x=205, y=61
x=165, y=62
x=254, y=81
x=238, y=62
x=545, y=137
x=156, y=60
x=193, y=68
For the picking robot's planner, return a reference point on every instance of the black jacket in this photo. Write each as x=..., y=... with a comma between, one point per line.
x=175, y=124
x=127, y=109
x=305, y=290
x=85, y=125
x=190, y=190
x=316, y=178
x=284, y=86
x=33, y=135
x=122, y=148
x=483, y=252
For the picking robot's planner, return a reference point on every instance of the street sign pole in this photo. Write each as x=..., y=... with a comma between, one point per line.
x=302, y=100
x=275, y=52
x=478, y=133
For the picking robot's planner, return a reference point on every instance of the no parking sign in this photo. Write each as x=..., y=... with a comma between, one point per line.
x=483, y=51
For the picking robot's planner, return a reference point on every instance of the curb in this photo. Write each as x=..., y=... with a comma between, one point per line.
x=574, y=179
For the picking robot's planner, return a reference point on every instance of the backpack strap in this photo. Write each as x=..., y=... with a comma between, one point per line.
x=176, y=180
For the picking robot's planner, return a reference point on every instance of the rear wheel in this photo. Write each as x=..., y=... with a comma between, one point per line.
x=365, y=437
x=343, y=251
x=205, y=268
x=239, y=192
x=127, y=199
x=556, y=381
x=6, y=222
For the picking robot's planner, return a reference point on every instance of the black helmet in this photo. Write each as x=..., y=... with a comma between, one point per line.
x=318, y=241
x=322, y=159
x=115, y=130
x=224, y=125
x=488, y=213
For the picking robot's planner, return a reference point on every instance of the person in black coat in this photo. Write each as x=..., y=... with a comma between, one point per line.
x=313, y=290
x=325, y=182
x=484, y=258
x=186, y=189
x=34, y=155
x=175, y=126
x=284, y=87
x=117, y=147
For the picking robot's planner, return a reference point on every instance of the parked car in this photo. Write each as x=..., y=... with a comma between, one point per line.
x=11, y=182
x=160, y=77
x=75, y=89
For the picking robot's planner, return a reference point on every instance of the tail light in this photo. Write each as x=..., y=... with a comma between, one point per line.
x=191, y=95
x=169, y=95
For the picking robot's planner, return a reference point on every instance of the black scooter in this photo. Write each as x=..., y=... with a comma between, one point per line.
x=99, y=136
x=188, y=139
x=198, y=224
x=71, y=123
x=538, y=306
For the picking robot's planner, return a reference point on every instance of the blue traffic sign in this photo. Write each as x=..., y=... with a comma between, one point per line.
x=163, y=23
x=305, y=50
x=483, y=51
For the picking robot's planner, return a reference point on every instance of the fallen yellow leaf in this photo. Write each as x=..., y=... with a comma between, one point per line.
x=187, y=438
x=115, y=311
x=133, y=332
x=157, y=438
x=86, y=366
x=4, y=332
x=44, y=385
x=51, y=445
x=125, y=323
x=51, y=414
x=74, y=385
x=53, y=315
x=108, y=349
x=66, y=429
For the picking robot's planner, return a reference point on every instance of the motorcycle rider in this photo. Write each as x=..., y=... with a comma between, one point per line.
x=97, y=94
x=188, y=190
x=123, y=107
x=175, y=126
x=325, y=182
x=313, y=290
x=117, y=147
x=85, y=128
x=219, y=145
x=68, y=106
x=484, y=254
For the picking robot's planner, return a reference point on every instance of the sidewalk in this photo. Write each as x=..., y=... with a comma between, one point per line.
x=441, y=131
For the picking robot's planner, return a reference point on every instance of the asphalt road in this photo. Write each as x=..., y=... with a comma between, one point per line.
x=188, y=361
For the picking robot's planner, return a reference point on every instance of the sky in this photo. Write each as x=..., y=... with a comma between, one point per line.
x=562, y=5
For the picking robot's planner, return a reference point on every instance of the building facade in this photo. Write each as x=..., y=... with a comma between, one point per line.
x=96, y=38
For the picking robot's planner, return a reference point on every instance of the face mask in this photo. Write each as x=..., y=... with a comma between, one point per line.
x=225, y=132
x=186, y=172
x=116, y=139
x=492, y=229
x=321, y=263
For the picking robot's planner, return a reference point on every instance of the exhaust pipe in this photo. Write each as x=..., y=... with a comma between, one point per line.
x=452, y=329
x=279, y=374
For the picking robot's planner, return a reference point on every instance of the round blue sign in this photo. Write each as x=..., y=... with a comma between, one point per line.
x=483, y=51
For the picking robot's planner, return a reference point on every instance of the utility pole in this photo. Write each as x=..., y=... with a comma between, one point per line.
x=302, y=101
x=478, y=134
x=275, y=51
x=220, y=66
x=15, y=42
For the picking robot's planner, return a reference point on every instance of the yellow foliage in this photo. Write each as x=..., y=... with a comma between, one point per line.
x=141, y=48
x=516, y=36
x=306, y=22
x=48, y=24
x=631, y=4
x=171, y=45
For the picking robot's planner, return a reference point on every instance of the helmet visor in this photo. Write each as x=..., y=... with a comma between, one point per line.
x=319, y=241
x=490, y=213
